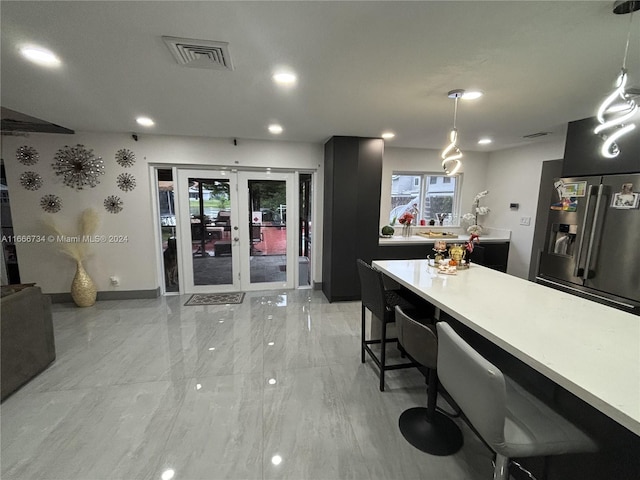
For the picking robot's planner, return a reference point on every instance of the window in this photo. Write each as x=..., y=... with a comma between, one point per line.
x=432, y=194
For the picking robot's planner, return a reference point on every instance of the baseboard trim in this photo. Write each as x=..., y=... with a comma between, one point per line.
x=317, y=285
x=120, y=295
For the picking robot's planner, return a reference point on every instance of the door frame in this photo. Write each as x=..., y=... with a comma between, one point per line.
x=291, y=232
x=184, y=229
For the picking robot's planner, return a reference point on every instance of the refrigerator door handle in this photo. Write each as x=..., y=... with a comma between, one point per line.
x=583, y=236
x=592, y=236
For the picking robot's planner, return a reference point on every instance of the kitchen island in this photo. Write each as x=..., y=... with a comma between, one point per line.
x=591, y=350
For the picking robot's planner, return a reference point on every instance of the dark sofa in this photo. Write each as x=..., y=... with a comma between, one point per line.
x=26, y=334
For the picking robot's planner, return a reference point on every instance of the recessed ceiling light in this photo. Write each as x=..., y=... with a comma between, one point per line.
x=484, y=141
x=41, y=56
x=388, y=135
x=145, y=121
x=276, y=459
x=275, y=129
x=285, y=78
x=472, y=94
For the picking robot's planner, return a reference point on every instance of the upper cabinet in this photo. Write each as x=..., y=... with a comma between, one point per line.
x=582, y=151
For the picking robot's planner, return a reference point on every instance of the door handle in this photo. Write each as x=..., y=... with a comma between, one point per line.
x=578, y=271
x=594, y=226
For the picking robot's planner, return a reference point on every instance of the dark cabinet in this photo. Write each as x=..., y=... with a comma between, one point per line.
x=352, y=182
x=582, y=155
x=491, y=255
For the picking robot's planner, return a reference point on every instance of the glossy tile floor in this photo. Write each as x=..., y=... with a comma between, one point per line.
x=272, y=388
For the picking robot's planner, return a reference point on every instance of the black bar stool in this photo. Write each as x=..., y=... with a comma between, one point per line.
x=425, y=428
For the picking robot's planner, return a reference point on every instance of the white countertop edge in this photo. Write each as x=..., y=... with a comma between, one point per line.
x=491, y=235
x=418, y=240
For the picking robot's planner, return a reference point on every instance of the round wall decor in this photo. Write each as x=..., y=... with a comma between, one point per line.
x=78, y=166
x=51, y=203
x=113, y=204
x=27, y=155
x=125, y=157
x=31, y=180
x=126, y=182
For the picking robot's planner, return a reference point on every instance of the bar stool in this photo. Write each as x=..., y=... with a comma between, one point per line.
x=425, y=428
x=509, y=419
x=381, y=303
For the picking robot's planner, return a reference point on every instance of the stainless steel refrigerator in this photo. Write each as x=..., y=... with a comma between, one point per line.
x=592, y=245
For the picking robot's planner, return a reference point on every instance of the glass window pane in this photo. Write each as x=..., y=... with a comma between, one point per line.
x=210, y=211
x=405, y=192
x=268, y=230
x=439, y=201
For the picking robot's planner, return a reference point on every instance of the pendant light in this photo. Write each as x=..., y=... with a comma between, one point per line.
x=619, y=107
x=452, y=154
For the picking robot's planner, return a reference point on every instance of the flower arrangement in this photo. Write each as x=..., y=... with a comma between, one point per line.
x=77, y=250
x=407, y=217
x=83, y=290
x=472, y=217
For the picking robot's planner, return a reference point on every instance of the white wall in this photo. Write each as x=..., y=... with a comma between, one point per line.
x=474, y=173
x=513, y=176
x=134, y=262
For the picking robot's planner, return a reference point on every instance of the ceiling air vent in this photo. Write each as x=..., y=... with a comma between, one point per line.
x=536, y=135
x=199, y=53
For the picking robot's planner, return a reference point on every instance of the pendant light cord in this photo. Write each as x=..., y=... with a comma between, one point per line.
x=626, y=48
x=455, y=111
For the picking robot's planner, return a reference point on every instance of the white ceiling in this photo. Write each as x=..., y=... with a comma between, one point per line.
x=363, y=67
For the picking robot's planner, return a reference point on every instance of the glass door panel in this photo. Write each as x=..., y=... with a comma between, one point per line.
x=268, y=258
x=209, y=231
x=168, y=229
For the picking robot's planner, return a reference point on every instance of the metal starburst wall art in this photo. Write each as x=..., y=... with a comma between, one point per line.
x=126, y=182
x=125, y=157
x=27, y=155
x=113, y=204
x=78, y=166
x=31, y=180
x=51, y=203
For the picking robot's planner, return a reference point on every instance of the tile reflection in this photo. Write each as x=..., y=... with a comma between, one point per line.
x=140, y=377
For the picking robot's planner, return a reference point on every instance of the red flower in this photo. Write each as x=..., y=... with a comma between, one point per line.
x=406, y=218
x=474, y=238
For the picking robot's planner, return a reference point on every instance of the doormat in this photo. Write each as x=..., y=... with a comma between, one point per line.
x=215, y=298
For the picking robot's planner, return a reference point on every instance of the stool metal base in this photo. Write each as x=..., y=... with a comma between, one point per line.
x=439, y=437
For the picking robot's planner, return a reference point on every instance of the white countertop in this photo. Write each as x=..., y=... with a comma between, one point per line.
x=492, y=236
x=590, y=349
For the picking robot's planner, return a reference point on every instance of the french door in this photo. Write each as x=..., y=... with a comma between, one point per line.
x=234, y=231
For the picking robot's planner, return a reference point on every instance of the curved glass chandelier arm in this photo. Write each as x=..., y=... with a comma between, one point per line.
x=609, y=146
x=613, y=114
x=619, y=107
x=452, y=154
